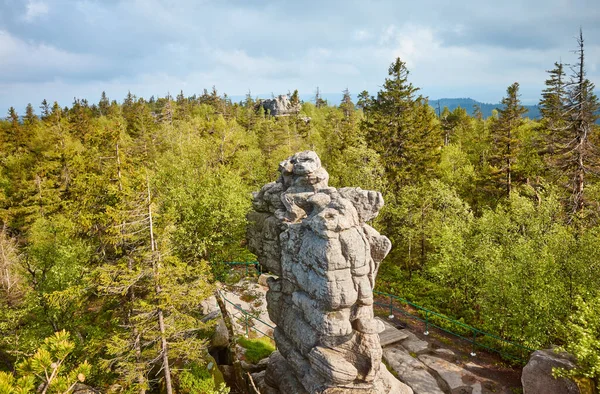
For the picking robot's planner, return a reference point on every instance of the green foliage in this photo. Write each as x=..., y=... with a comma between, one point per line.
x=47, y=370
x=256, y=349
x=582, y=332
x=78, y=186
x=197, y=379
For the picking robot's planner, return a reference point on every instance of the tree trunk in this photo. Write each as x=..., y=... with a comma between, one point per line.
x=161, y=322
x=508, y=166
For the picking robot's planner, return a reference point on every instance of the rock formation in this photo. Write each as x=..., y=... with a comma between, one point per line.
x=280, y=106
x=537, y=375
x=315, y=239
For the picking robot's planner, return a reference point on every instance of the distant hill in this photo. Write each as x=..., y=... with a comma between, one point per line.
x=533, y=111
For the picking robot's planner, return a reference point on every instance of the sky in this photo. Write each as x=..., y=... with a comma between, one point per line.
x=61, y=49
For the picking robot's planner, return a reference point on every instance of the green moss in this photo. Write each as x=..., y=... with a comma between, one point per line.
x=257, y=349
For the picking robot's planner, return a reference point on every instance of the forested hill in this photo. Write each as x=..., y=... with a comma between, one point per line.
x=533, y=111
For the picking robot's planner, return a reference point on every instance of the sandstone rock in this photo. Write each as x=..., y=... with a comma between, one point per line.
x=316, y=240
x=220, y=337
x=537, y=374
x=390, y=335
x=263, y=278
x=209, y=305
x=412, y=371
x=413, y=344
x=458, y=379
x=445, y=353
x=280, y=105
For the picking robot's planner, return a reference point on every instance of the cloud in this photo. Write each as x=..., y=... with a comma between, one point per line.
x=66, y=48
x=362, y=35
x=35, y=9
x=24, y=61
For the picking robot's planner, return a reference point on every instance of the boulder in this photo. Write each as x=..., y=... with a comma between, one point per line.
x=280, y=106
x=537, y=375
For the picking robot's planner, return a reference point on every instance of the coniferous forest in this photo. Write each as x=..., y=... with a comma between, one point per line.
x=114, y=217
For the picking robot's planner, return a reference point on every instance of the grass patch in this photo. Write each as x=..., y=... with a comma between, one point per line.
x=257, y=349
x=250, y=296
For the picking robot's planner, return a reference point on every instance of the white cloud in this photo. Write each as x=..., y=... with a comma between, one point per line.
x=81, y=47
x=23, y=60
x=362, y=35
x=35, y=9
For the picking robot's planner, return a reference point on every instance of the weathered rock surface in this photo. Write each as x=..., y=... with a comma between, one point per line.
x=390, y=334
x=280, y=105
x=316, y=240
x=247, y=296
x=537, y=374
x=413, y=344
x=411, y=371
x=458, y=379
x=210, y=310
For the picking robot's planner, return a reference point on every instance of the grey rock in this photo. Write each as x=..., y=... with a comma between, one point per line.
x=390, y=335
x=280, y=106
x=259, y=382
x=445, y=353
x=315, y=239
x=220, y=337
x=458, y=379
x=537, y=374
x=412, y=371
x=209, y=306
x=413, y=344
x=263, y=278
x=389, y=384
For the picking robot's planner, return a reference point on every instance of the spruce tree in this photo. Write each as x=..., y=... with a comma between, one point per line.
x=505, y=141
x=553, y=102
x=579, y=154
x=402, y=128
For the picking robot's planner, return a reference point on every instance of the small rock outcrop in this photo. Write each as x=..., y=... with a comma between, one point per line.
x=316, y=240
x=280, y=106
x=537, y=374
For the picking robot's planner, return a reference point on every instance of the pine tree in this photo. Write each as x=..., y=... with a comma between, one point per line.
x=295, y=98
x=504, y=134
x=554, y=100
x=319, y=102
x=103, y=104
x=402, y=128
x=347, y=106
x=45, y=107
x=30, y=117
x=579, y=155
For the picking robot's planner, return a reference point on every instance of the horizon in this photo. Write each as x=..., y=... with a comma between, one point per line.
x=59, y=50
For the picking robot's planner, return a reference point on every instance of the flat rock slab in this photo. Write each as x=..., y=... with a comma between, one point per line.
x=413, y=344
x=445, y=353
x=459, y=380
x=391, y=334
x=237, y=317
x=411, y=371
